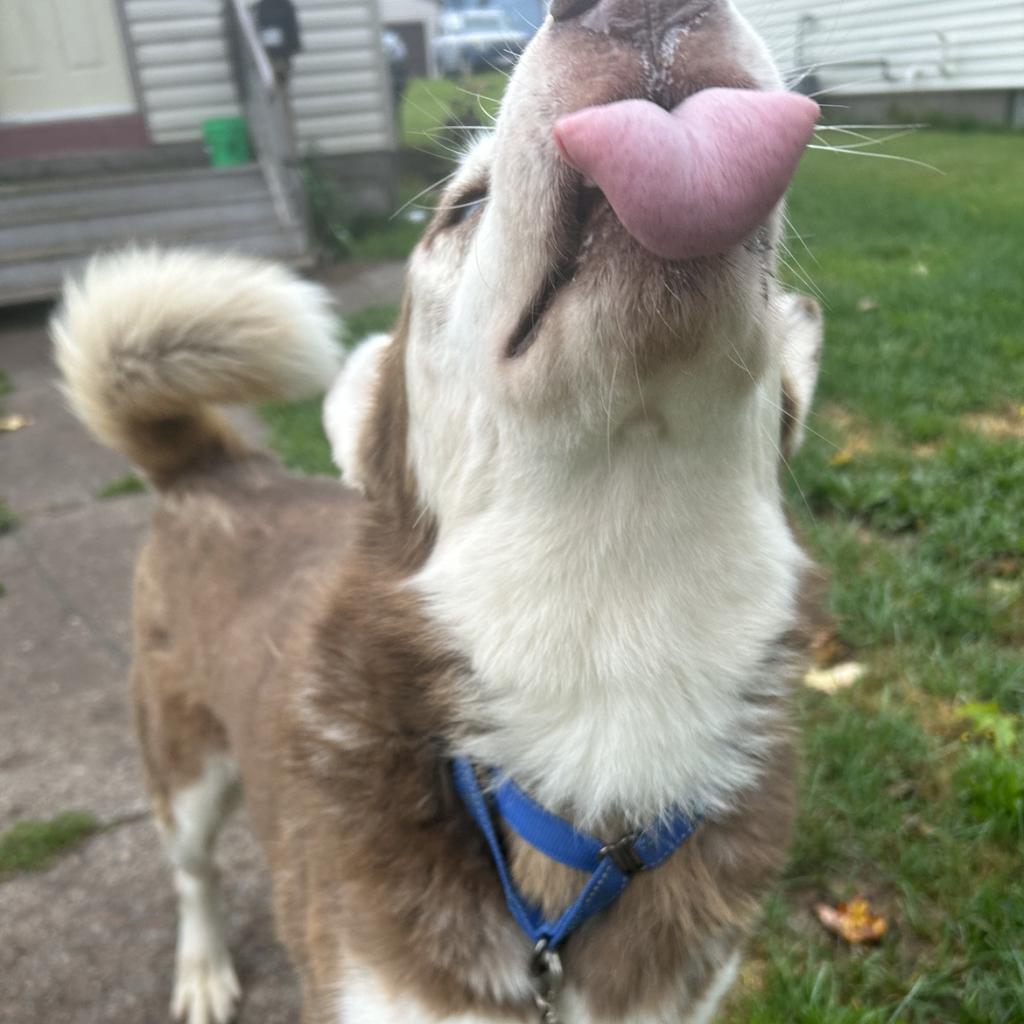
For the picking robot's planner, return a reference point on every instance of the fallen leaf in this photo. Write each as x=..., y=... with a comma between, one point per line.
x=839, y=677
x=854, y=922
x=9, y=424
x=827, y=648
x=858, y=444
x=867, y=305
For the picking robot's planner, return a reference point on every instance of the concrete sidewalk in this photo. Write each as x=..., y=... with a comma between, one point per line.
x=92, y=939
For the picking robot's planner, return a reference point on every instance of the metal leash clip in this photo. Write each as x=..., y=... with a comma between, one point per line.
x=546, y=976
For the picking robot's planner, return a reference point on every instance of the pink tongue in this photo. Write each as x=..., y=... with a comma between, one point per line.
x=696, y=181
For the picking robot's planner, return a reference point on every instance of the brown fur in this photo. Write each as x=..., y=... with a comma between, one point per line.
x=272, y=623
x=267, y=614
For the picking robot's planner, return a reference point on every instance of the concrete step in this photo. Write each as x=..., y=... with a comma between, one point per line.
x=121, y=194
x=49, y=229
x=84, y=233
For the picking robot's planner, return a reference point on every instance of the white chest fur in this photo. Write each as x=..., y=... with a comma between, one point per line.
x=619, y=614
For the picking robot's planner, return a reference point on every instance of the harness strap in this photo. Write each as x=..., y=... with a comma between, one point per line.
x=611, y=866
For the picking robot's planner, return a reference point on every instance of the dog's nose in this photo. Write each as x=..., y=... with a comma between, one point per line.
x=630, y=18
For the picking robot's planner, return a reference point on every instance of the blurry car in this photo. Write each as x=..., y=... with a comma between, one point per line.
x=397, y=55
x=476, y=40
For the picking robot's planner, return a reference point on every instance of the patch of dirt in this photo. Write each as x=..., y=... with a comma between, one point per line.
x=1005, y=426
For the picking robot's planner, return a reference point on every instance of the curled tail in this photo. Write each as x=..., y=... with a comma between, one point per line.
x=149, y=341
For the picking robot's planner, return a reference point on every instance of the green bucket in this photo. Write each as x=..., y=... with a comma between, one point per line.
x=227, y=141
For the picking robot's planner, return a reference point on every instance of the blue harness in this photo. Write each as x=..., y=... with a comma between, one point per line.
x=610, y=866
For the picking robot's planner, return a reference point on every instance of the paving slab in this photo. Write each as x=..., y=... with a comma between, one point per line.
x=50, y=464
x=91, y=941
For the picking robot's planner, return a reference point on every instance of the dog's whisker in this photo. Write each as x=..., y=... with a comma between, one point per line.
x=878, y=156
x=800, y=238
x=739, y=362
x=455, y=128
x=479, y=96
x=447, y=156
x=870, y=127
x=421, y=193
x=868, y=142
x=791, y=263
x=821, y=437
x=872, y=80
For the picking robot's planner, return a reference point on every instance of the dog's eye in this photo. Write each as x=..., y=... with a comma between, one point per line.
x=465, y=207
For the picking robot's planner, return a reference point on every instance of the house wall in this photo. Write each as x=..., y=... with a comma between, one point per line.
x=340, y=89
x=939, y=46
x=409, y=10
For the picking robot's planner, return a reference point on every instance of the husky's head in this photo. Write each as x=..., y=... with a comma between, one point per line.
x=537, y=329
x=584, y=435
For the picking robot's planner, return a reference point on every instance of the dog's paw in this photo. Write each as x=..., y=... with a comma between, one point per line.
x=205, y=992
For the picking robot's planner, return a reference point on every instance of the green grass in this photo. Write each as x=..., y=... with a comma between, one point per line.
x=296, y=430
x=919, y=518
x=910, y=492
x=122, y=486
x=436, y=113
x=34, y=845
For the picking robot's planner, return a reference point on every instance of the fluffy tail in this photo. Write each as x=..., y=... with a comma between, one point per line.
x=148, y=341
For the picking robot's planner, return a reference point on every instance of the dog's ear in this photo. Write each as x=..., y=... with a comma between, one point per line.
x=803, y=325
x=349, y=402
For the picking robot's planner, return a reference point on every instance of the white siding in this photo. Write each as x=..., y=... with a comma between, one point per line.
x=893, y=46
x=409, y=10
x=340, y=90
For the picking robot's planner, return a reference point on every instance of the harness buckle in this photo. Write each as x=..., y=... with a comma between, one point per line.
x=623, y=854
x=546, y=976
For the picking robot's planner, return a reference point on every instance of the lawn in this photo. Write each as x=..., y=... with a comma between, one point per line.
x=910, y=492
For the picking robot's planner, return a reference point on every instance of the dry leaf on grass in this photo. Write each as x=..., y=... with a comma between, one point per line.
x=9, y=424
x=854, y=922
x=826, y=646
x=839, y=677
x=867, y=305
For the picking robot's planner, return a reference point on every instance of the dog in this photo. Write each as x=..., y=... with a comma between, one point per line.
x=560, y=555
